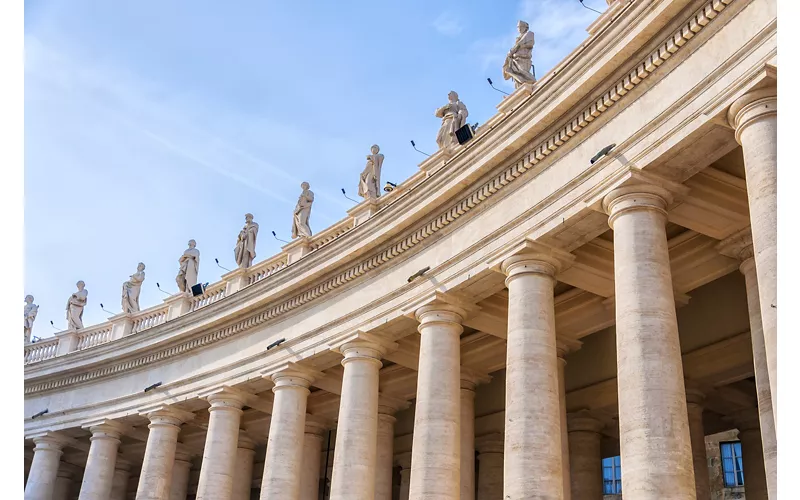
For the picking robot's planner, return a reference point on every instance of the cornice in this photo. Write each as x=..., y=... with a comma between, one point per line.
x=565, y=132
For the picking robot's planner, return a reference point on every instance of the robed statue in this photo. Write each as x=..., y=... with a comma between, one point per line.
x=75, y=304
x=190, y=265
x=517, y=65
x=31, y=310
x=454, y=116
x=302, y=212
x=369, y=184
x=245, y=250
x=131, y=290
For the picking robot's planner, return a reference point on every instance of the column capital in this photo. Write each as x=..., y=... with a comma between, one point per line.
x=122, y=464
x=635, y=197
x=532, y=257
x=403, y=460
x=316, y=425
x=566, y=345
x=166, y=415
x=363, y=345
x=389, y=405
x=245, y=441
x=752, y=107
x=583, y=421
x=451, y=304
x=746, y=420
x=737, y=246
x=695, y=395
x=292, y=375
x=62, y=472
x=490, y=443
x=183, y=457
x=105, y=429
x=471, y=378
x=224, y=398
x=49, y=440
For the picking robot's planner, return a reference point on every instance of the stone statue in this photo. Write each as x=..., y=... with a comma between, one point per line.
x=75, y=306
x=454, y=116
x=131, y=289
x=302, y=212
x=369, y=184
x=518, y=61
x=245, y=250
x=190, y=266
x=31, y=310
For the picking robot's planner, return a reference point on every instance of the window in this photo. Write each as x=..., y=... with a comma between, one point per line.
x=732, y=471
x=612, y=476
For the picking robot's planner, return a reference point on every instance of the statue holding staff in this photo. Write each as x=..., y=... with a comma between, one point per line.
x=245, y=250
x=517, y=65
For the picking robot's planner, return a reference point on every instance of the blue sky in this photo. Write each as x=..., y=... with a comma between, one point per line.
x=149, y=123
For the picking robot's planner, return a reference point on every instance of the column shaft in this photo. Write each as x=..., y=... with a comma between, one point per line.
x=312, y=464
x=755, y=481
x=769, y=441
x=63, y=486
x=436, y=448
x=354, y=462
x=467, y=440
x=44, y=468
x=653, y=421
x=159, y=456
x=243, y=473
x=219, y=453
x=755, y=119
x=533, y=418
x=490, y=467
x=585, y=458
x=281, y=479
x=100, y=465
x=119, y=484
x=385, y=457
x=698, y=438
x=404, y=461
x=562, y=403
x=180, y=478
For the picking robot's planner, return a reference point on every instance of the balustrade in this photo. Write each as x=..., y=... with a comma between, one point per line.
x=44, y=349
x=91, y=337
x=212, y=294
x=267, y=268
x=149, y=318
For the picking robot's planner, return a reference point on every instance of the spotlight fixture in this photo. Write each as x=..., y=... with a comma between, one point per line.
x=276, y=237
x=492, y=85
x=40, y=413
x=161, y=289
x=603, y=152
x=389, y=187
x=151, y=387
x=219, y=266
x=413, y=145
x=276, y=343
x=418, y=273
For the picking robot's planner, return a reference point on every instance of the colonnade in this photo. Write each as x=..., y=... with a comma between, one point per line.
x=543, y=453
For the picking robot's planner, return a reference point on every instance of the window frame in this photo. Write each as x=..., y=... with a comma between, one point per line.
x=612, y=486
x=734, y=459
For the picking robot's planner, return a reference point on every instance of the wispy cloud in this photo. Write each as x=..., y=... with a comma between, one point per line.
x=448, y=24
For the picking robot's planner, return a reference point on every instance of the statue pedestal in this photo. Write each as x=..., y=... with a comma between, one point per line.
x=178, y=304
x=235, y=280
x=67, y=342
x=516, y=98
x=121, y=325
x=438, y=159
x=364, y=210
x=297, y=249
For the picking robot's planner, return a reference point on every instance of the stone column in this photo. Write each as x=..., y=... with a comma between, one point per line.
x=653, y=422
x=469, y=381
x=44, y=467
x=436, y=444
x=754, y=116
x=694, y=405
x=101, y=463
x=159, y=455
x=219, y=452
x=387, y=407
x=180, y=477
x=281, y=478
x=740, y=246
x=312, y=459
x=63, y=486
x=585, y=459
x=243, y=472
x=563, y=347
x=490, y=467
x=119, y=483
x=404, y=461
x=354, y=463
x=755, y=480
x=533, y=410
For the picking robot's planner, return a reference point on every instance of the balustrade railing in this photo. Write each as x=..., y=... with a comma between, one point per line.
x=332, y=233
x=96, y=335
x=212, y=294
x=267, y=268
x=41, y=350
x=149, y=318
